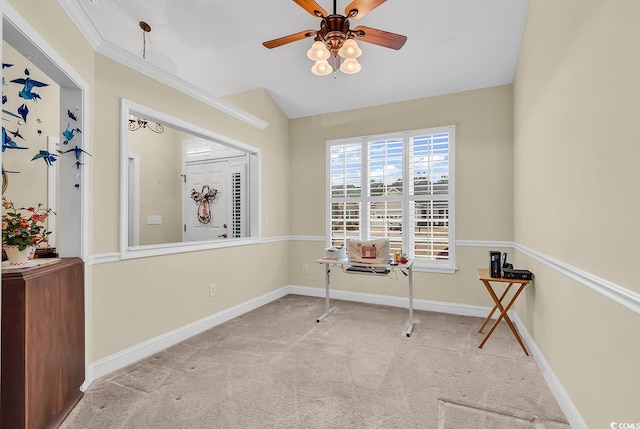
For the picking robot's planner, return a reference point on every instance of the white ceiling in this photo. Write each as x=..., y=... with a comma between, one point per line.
x=216, y=45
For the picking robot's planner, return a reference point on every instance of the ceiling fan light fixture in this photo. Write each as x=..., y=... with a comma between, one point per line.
x=350, y=49
x=318, y=51
x=350, y=66
x=321, y=68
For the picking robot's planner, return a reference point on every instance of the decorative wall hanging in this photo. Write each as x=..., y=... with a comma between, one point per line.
x=23, y=111
x=8, y=143
x=136, y=123
x=78, y=152
x=203, y=200
x=69, y=134
x=48, y=157
x=27, y=90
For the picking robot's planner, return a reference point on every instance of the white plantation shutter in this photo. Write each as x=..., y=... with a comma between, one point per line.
x=238, y=202
x=345, y=189
x=385, y=168
x=429, y=196
x=407, y=180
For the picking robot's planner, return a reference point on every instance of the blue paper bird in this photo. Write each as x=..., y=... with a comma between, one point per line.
x=5, y=65
x=4, y=99
x=78, y=152
x=48, y=157
x=27, y=89
x=7, y=143
x=72, y=115
x=16, y=133
x=23, y=111
x=77, y=186
x=70, y=134
x=78, y=164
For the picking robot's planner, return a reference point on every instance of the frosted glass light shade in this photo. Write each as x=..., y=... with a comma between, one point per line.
x=350, y=66
x=321, y=68
x=349, y=49
x=318, y=51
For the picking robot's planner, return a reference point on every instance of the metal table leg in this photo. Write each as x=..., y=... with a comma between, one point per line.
x=411, y=321
x=327, y=280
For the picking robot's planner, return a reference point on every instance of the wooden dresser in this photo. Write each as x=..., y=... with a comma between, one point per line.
x=42, y=344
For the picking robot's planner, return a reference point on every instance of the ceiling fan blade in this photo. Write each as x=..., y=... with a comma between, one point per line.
x=288, y=39
x=312, y=7
x=379, y=37
x=362, y=7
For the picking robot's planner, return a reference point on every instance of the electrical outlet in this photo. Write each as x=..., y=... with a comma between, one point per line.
x=305, y=269
x=212, y=289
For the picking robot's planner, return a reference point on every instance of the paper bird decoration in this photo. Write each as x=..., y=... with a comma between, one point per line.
x=70, y=134
x=78, y=152
x=28, y=85
x=72, y=115
x=48, y=157
x=78, y=164
x=16, y=134
x=23, y=111
x=8, y=143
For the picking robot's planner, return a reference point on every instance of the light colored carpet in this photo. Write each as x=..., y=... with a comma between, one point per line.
x=275, y=367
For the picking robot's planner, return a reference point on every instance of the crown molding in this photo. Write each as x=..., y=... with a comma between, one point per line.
x=83, y=21
x=96, y=39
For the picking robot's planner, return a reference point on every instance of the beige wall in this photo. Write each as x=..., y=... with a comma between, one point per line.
x=576, y=180
x=484, y=141
x=151, y=296
x=160, y=158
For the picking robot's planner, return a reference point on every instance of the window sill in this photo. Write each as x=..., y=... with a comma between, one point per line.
x=426, y=268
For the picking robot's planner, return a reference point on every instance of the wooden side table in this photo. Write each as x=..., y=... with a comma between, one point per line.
x=483, y=276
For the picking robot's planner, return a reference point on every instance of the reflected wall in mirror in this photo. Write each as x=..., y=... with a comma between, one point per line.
x=183, y=187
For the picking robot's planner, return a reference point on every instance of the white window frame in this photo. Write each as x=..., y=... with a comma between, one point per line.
x=420, y=264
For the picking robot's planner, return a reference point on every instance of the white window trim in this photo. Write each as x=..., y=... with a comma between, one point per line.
x=448, y=266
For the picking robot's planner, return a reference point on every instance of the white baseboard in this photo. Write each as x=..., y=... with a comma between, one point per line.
x=140, y=351
x=563, y=399
x=394, y=301
x=147, y=348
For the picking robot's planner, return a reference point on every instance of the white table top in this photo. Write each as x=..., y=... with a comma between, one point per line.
x=346, y=261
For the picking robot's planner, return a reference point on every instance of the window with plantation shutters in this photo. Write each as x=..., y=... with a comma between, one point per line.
x=397, y=186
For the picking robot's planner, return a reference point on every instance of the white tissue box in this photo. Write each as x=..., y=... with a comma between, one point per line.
x=335, y=252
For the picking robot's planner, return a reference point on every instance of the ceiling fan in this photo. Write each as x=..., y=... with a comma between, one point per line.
x=335, y=40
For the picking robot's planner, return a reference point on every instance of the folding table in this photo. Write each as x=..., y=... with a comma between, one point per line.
x=483, y=275
x=345, y=263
